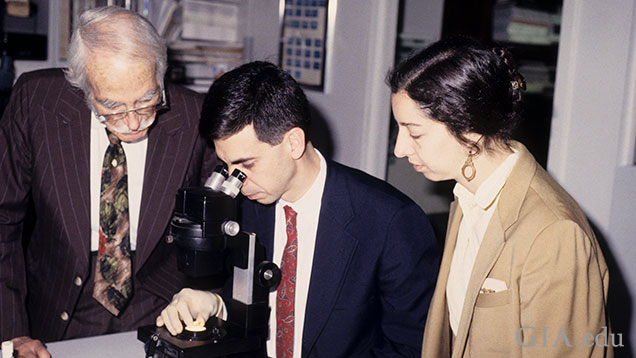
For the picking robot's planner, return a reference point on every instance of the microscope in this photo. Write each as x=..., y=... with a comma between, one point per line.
x=209, y=240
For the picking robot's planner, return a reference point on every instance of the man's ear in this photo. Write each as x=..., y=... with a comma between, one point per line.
x=296, y=142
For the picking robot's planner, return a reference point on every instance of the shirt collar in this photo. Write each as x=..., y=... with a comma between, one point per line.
x=314, y=194
x=95, y=121
x=488, y=191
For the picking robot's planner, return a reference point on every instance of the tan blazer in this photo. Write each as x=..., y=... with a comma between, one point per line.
x=541, y=246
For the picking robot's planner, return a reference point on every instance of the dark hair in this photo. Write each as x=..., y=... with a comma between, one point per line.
x=466, y=85
x=257, y=93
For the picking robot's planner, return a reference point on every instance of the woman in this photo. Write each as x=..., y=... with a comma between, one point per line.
x=522, y=273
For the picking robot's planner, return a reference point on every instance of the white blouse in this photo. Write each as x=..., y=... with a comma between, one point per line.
x=477, y=211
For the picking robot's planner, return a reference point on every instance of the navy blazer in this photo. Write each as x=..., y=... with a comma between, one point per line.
x=44, y=155
x=374, y=270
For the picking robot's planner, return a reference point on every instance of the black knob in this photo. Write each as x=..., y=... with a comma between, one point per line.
x=268, y=274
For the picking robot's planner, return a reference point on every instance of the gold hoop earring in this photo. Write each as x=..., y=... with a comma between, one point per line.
x=468, y=164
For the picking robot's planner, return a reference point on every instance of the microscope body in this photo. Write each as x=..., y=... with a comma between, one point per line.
x=206, y=231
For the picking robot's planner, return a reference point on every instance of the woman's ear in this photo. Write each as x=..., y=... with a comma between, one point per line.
x=296, y=142
x=476, y=139
x=473, y=137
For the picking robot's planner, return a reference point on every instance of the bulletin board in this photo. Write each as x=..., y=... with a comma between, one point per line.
x=303, y=41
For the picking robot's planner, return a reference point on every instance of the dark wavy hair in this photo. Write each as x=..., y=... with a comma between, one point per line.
x=257, y=93
x=468, y=86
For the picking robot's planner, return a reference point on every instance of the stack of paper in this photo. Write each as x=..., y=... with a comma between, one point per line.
x=516, y=24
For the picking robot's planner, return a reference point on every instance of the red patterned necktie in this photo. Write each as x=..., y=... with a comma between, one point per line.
x=113, y=281
x=287, y=290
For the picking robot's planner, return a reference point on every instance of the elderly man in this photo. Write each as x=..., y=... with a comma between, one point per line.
x=358, y=258
x=98, y=152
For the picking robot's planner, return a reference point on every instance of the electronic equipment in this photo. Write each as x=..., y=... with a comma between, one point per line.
x=207, y=234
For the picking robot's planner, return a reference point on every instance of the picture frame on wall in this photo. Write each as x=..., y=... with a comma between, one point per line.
x=303, y=41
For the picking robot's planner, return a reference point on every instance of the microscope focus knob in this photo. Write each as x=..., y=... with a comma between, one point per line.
x=268, y=274
x=230, y=228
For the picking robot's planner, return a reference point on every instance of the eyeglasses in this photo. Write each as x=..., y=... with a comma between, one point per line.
x=143, y=112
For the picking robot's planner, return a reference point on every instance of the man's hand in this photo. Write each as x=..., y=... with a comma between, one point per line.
x=25, y=347
x=185, y=305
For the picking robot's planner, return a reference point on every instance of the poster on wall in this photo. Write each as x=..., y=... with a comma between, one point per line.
x=303, y=38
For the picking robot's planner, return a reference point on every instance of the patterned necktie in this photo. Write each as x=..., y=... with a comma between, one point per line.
x=287, y=290
x=113, y=282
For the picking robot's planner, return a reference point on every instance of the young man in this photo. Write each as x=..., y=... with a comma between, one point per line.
x=101, y=153
x=358, y=258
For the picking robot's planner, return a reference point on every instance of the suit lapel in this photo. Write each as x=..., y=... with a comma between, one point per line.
x=166, y=162
x=449, y=246
x=490, y=249
x=437, y=335
x=72, y=181
x=451, y=239
x=332, y=255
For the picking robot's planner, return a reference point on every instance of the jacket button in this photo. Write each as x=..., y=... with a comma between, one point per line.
x=64, y=316
x=78, y=281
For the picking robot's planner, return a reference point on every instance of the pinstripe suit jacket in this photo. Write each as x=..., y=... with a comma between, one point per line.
x=44, y=155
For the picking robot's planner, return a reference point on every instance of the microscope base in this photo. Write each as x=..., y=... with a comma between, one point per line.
x=159, y=343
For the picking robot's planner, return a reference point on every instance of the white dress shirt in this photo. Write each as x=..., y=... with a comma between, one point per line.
x=136, y=159
x=308, y=210
x=477, y=211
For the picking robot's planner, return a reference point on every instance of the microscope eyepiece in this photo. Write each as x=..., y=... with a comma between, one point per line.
x=215, y=181
x=239, y=175
x=232, y=185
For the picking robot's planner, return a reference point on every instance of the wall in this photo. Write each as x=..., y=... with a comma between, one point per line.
x=593, y=134
x=423, y=20
x=352, y=112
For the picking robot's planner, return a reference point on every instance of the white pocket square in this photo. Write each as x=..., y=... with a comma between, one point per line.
x=492, y=285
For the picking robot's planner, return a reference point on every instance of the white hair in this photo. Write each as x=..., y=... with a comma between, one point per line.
x=118, y=31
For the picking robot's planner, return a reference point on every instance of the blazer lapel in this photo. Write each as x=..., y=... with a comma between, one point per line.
x=437, y=335
x=166, y=162
x=490, y=249
x=332, y=255
x=451, y=239
x=72, y=182
x=449, y=246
